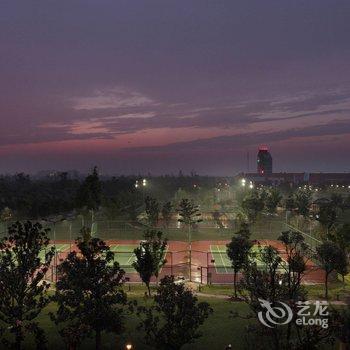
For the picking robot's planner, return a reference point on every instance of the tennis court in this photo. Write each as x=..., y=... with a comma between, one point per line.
x=59, y=248
x=222, y=262
x=124, y=254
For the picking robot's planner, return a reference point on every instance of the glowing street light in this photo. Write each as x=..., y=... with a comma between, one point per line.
x=251, y=185
x=243, y=182
x=144, y=182
x=136, y=184
x=128, y=346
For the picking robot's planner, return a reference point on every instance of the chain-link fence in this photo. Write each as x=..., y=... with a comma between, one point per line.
x=206, y=262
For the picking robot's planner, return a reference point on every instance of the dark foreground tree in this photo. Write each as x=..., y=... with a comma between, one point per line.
x=175, y=317
x=238, y=252
x=331, y=258
x=297, y=253
x=24, y=261
x=343, y=327
x=265, y=287
x=150, y=256
x=88, y=293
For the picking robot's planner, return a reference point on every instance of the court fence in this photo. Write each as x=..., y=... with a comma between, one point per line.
x=203, y=267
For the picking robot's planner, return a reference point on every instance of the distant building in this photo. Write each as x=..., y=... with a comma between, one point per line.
x=264, y=175
x=314, y=179
x=264, y=162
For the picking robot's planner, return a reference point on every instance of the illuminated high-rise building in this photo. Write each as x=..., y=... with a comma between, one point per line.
x=264, y=161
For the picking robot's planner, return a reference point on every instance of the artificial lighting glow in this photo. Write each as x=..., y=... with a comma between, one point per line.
x=251, y=184
x=243, y=182
x=144, y=182
x=128, y=346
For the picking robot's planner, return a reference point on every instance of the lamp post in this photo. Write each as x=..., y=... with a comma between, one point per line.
x=144, y=184
x=141, y=183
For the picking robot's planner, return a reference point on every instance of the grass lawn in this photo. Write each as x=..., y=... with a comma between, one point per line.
x=336, y=290
x=218, y=331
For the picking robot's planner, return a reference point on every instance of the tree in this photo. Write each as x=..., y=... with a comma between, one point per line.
x=190, y=216
x=88, y=292
x=253, y=204
x=150, y=256
x=175, y=318
x=24, y=261
x=152, y=211
x=302, y=201
x=90, y=192
x=289, y=203
x=238, y=252
x=244, y=230
x=166, y=213
x=6, y=215
x=337, y=201
x=268, y=283
x=217, y=219
x=341, y=236
x=343, y=326
x=274, y=197
x=330, y=258
x=263, y=284
x=327, y=216
x=189, y=213
x=297, y=254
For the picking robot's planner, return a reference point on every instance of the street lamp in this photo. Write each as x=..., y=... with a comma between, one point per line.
x=144, y=184
x=141, y=183
x=128, y=346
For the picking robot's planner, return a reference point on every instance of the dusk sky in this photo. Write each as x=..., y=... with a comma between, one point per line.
x=158, y=86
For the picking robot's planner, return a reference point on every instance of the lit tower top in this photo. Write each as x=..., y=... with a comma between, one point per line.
x=264, y=161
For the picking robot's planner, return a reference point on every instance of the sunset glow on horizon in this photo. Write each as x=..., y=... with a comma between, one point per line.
x=134, y=88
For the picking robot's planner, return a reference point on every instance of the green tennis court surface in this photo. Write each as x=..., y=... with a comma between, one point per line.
x=124, y=254
x=222, y=262
x=60, y=248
